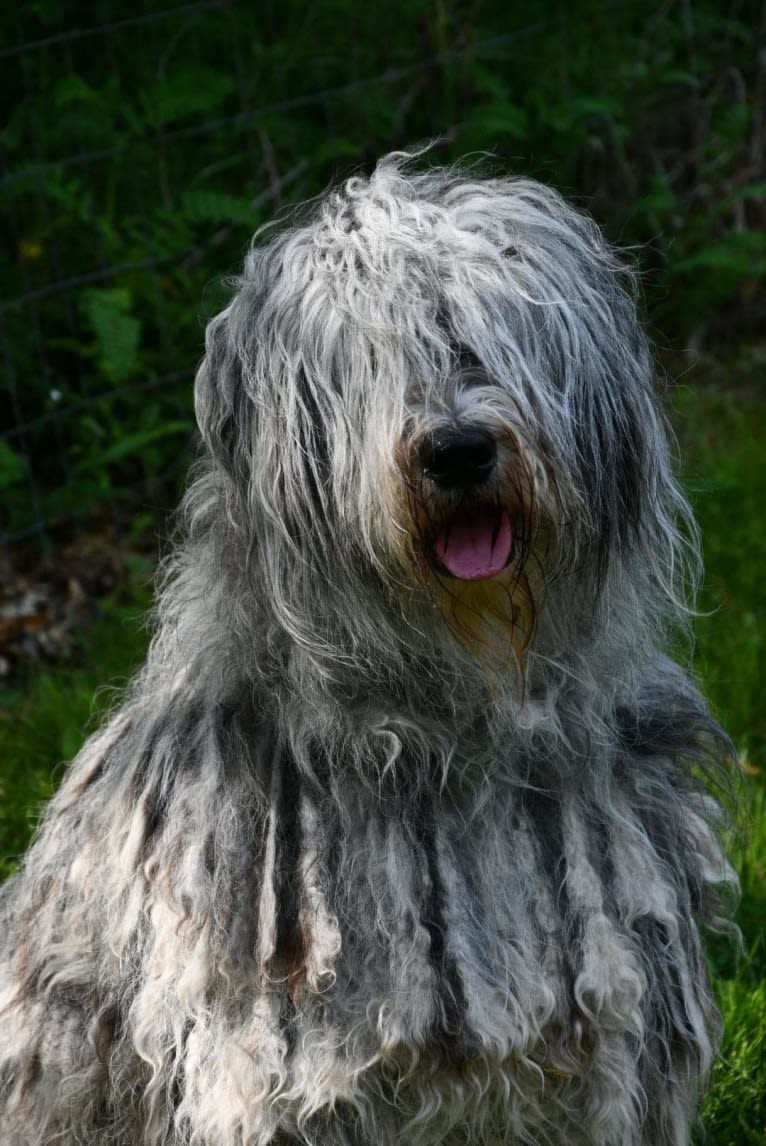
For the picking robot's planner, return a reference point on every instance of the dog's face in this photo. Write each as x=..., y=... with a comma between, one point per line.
x=437, y=392
x=476, y=518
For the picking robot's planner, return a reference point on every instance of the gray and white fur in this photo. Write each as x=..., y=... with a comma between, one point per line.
x=371, y=854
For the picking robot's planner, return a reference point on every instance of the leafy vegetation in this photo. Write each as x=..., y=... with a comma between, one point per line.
x=140, y=155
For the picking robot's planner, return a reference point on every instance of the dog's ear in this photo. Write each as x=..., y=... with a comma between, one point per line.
x=620, y=458
x=223, y=410
x=616, y=429
x=638, y=511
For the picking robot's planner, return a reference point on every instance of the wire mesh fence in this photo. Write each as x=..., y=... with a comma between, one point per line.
x=142, y=150
x=140, y=156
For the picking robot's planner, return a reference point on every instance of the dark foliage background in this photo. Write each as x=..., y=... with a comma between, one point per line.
x=142, y=146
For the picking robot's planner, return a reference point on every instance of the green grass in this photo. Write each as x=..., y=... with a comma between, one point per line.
x=721, y=423
x=735, y=1111
x=43, y=723
x=722, y=432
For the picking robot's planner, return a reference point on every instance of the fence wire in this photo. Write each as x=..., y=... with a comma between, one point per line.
x=142, y=149
x=72, y=204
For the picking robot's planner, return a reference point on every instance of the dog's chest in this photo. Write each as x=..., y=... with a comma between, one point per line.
x=468, y=935
x=521, y=934
x=521, y=961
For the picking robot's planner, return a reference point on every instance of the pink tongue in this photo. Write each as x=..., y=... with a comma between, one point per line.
x=475, y=545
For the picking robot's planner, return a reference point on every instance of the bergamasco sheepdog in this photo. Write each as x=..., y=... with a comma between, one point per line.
x=403, y=833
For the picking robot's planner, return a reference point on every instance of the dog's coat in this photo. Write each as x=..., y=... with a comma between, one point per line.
x=399, y=836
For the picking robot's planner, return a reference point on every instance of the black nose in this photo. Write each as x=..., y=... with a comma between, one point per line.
x=458, y=459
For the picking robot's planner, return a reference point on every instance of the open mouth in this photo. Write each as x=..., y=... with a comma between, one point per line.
x=475, y=543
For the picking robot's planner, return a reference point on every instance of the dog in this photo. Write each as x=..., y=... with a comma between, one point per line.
x=400, y=835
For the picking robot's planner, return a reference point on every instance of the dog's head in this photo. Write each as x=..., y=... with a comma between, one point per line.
x=432, y=398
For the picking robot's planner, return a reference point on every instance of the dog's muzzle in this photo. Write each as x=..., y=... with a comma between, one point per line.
x=475, y=542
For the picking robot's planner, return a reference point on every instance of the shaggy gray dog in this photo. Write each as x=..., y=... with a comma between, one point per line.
x=399, y=836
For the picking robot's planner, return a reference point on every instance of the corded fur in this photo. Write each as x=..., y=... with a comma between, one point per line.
x=369, y=855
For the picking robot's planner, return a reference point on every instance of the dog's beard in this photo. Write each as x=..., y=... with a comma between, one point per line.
x=494, y=617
